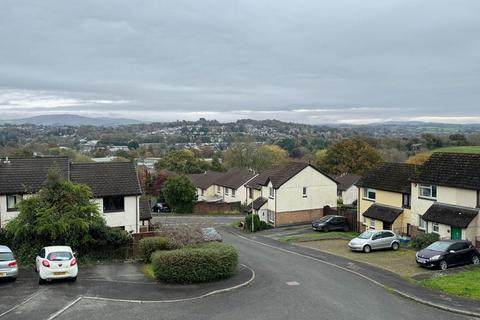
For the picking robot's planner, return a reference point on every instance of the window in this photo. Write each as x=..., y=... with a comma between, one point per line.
x=250, y=193
x=271, y=192
x=218, y=189
x=113, y=204
x=226, y=191
x=428, y=191
x=364, y=220
x=478, y=198
x=271, y=216
x=372, y=224
x=304, y=192
x=435, y=227
x=406, y=200
x=203, y=192
x=12, y=201
x=233, y=193
x=421, y=223
x=369, y=194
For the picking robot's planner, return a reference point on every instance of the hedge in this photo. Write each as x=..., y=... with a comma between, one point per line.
x=423, y=240
x=207, y=262
x=147, y=246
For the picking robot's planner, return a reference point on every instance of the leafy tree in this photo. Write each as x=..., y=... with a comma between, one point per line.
x=180, y=193
x=458, y=139
x=348, y=156
x=419, y=158
x=182, y=161
x=133, y=144
x=248, y=155
x=216, y=165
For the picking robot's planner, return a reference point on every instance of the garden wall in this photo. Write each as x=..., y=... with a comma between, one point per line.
x=203, y=207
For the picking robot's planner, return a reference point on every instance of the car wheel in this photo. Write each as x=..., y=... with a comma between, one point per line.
x=367, y=249
x=41, y=281
x=475, y=260
x=345, y=228
x=74, y=279
x=443, y=265
x=395, y=246
x=326, y=229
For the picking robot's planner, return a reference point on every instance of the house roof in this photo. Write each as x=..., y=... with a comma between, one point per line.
x=145, y=210
x=259, y=202
x=455, y=216
x=395, y=177
x=107, y=178
x=234, y=178
x=461, y=170
x=27, y=175
x=346, y=181
x=383, y=212
x=206, y=179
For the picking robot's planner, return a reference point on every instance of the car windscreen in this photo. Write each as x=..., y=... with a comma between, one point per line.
x=325, y=219
x=59, y=256
x=6, y=256
x=439, y=246
x=366, y=235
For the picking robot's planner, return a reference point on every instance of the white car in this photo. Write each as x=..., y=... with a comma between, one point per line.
x=56, y=262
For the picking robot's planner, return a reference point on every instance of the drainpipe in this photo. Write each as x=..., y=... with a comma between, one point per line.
x=136, y=213
x=275, y=222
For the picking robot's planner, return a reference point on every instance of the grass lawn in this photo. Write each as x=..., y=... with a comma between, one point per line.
x=319, y=235
x=401, y=262
x=148, y=270
x=463, y=149
x=466, y=284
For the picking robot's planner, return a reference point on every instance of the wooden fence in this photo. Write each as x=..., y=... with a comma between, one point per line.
x=217, y=207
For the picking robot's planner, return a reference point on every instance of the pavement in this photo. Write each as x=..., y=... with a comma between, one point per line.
x=290, y=283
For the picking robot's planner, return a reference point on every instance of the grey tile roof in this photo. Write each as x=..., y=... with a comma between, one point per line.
x=395, y=177
x=205, y=180
x=259, y=202
x=455, y=216
x=107, y=178
x=27, y=175
x=383, y=212
x=460, y=170
x=145, y=209
x=234, y=178
x=346, y=181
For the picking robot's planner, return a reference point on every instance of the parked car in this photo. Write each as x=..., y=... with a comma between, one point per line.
x=374, y=240
x=56, y=262
x=446, y=253
x=330, y=223
x=8, y=264
x=161, y=207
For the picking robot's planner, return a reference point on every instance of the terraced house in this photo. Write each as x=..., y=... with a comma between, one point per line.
x=114, y=185
x=295, y=193
x=384, y=200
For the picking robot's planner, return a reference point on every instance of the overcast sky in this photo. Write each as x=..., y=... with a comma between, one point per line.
x=306, y=61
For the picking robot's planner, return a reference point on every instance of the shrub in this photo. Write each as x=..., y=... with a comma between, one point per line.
x=203, y=263
x=150, y=245
x=258, y=225
x=182, y=235
x=423, y=240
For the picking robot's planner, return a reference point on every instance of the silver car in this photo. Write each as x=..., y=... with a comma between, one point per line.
x=374, y=240
x=8, y=264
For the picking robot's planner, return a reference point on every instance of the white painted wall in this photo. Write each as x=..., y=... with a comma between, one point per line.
x=127, y=218
x=321, y=191
x=350, y=195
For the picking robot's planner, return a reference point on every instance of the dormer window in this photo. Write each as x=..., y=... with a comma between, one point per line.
x=369, y=194
x=428, y=191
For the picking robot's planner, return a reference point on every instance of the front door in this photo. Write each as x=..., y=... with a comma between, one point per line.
x=456, y=233
x=387, y=226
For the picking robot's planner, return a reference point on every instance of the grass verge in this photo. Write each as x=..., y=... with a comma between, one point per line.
x=318, y=236
x=465, y=284
x=147, y=269
x=462, y=149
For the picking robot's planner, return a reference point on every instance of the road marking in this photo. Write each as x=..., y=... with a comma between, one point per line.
x=403, y=294
x=22, y=303
x=69, y=305
x=292, y=283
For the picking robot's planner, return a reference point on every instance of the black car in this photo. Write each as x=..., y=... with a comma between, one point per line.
x=445, y=253
x=161, y=207
x=330, y=223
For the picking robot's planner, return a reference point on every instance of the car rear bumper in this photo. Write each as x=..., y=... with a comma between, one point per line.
x=8, y=273
x=58, y=274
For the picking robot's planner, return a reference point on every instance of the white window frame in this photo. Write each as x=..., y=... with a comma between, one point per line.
x=271, y=216
x=435, y=227
x=407, y=196
x=304, y=192
x=367, y=192
x=422, y=224
x=202, y=192
x=233, y=193
x=218, y=189
x=271, y=193
x=372, y=224
x=226, y=191
x=250, y=193
x=12, y=201
x=427, y=187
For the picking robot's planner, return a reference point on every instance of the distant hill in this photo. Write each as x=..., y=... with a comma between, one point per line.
x=72, y=120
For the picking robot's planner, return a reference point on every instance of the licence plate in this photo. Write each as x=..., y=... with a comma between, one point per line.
x=421, y=260
x=59, y=273
x=3, y=274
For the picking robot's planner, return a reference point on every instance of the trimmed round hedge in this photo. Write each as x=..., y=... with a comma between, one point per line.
x=208, y=262
x=147, y=246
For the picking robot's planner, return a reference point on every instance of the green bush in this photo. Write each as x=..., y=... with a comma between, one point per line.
x=258, y=225
x=150, y=245
x=423, y=240
x=202, y=263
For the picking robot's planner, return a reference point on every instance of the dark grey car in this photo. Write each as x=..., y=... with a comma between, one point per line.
x=8, y=264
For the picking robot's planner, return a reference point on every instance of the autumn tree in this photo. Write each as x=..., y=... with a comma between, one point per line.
x=180, y=193
x=348, y=156
x=419, y=158
x=182, y=161
x=249, y=155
